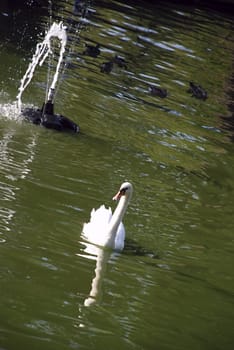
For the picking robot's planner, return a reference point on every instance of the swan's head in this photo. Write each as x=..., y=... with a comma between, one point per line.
x=125, y=190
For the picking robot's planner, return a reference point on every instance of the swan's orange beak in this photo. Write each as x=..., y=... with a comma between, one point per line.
x=117, y=196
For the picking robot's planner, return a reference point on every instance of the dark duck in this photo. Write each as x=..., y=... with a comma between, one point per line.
x=93, y=51
x=197, y=91
x=46, y=117
x=120, y=61
x=157, y=91
x=106, y=67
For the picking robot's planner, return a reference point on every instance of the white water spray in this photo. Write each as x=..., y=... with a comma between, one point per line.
x=43, y=50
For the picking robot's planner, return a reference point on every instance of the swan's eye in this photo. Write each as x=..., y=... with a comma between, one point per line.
x=123, y=190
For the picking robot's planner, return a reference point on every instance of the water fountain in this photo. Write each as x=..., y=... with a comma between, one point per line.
x=45, y=116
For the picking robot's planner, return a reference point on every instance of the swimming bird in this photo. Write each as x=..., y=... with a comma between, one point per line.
x=157, y=91
x=106, y=67
x=105, y=229
x=120, y=61
x=197, y=91
x=93, y=51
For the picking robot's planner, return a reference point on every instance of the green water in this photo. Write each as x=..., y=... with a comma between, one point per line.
x=172, y=286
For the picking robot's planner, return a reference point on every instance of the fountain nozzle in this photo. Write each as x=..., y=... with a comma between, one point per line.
x=51, y=94
x=47, y=108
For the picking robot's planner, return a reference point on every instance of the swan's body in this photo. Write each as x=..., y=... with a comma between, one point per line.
x=105, y=229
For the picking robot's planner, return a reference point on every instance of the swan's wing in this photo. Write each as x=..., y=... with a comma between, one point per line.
x=101, y=215
x=99, y=220
x=120, y=237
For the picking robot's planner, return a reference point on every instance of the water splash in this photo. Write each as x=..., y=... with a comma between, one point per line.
x=9, y=110
x=43, y=50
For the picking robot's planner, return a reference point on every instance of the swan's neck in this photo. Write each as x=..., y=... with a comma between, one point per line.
x=116, y=220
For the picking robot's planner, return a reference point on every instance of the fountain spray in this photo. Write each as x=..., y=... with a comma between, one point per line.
x=45, y=116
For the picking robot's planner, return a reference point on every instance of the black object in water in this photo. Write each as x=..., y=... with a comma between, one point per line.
x=46, y=117
x=197, y=91
x=157, y=91
x=92, y=51
x=106, y=67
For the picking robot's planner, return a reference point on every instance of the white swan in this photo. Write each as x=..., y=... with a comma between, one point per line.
x=105, y=229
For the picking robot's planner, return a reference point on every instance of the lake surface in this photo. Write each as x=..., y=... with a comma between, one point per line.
x=172, y=286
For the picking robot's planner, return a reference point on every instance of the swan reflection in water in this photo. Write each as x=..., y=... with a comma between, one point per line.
x=102, y=256
x=104, y=236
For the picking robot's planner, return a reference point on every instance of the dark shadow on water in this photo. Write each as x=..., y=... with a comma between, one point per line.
x=133, y=248
x=19, y=22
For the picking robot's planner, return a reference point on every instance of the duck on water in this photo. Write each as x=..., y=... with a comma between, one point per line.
x=46, y=117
